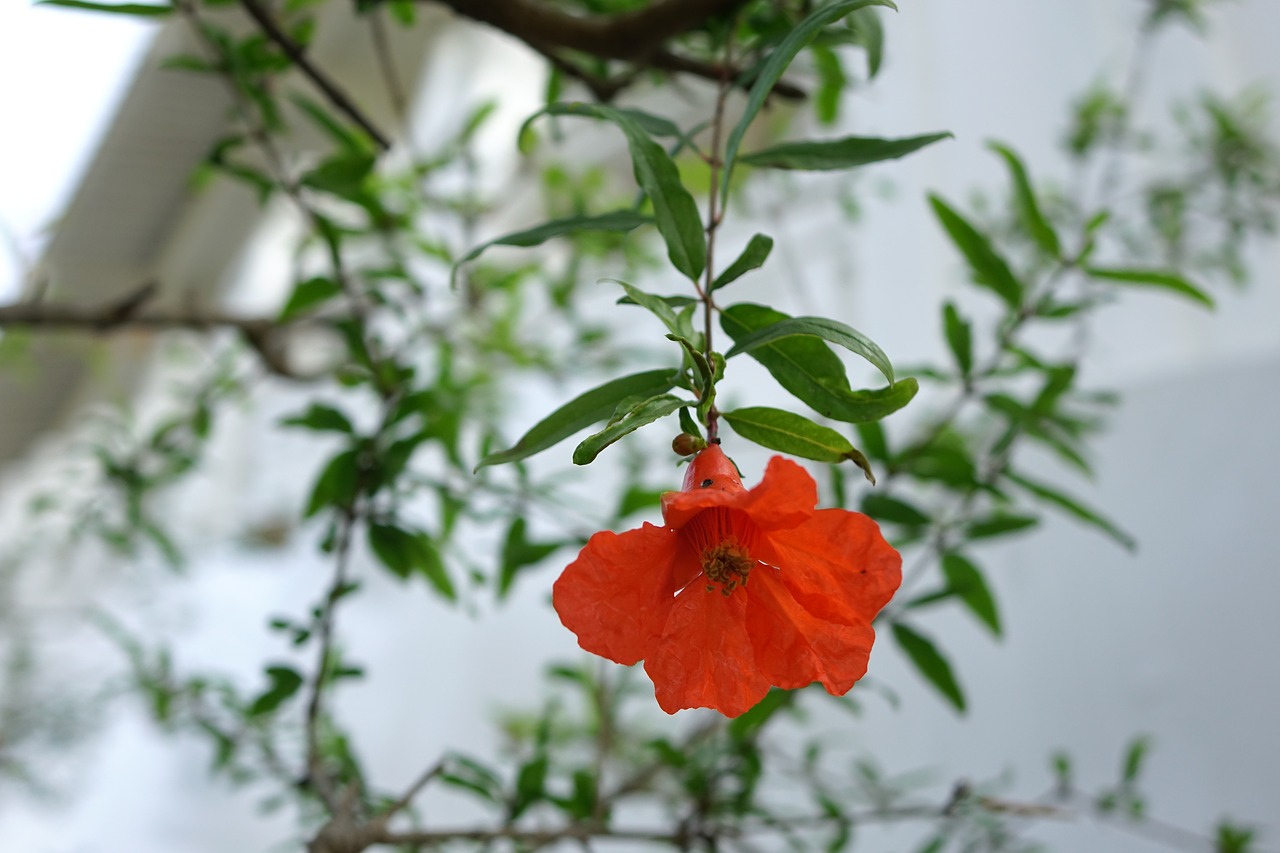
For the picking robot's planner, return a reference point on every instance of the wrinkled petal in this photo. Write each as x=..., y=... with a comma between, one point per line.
x=617, y=595
x=704, y=659
x=678, y=508
x=785, y=497
x=794, y=648
x=837, y=565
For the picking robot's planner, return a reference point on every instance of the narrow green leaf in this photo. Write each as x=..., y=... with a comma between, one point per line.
x=772, y=68
x=141, y=10
x=674, y=210
x=818, y=327
x=336, y=485
x=832, y=154
x=788, y=432
x=752, y=257
x=1153, y=278
x=285, y=682
x=1028, y=208
x=615, y=220
x=869, y=32
x=807, y=367
x=581, y=412
x=308, y=294
x=932, y=665
x=959, y=337
x=519, y=553
x=1133, y=758
x=321, y=418
x=968, y=583
x=882, y=507
x=755, y=719
x=1074, y=507
x=988, y=268
x=656, y=305
x=1000, y=523
x=643, y=413
x=406, y=552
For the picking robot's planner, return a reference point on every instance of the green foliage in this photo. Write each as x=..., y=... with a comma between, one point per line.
x=838, y=154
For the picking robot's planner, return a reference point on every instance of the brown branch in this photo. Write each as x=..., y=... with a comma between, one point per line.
x=260, y=333
x=665, y=60
x=294, y=51
x=628, y=35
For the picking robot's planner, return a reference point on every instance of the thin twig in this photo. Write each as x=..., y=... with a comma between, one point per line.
x=294, y=51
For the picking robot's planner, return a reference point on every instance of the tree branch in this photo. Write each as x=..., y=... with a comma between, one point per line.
x=629, y=35
x=295, y=53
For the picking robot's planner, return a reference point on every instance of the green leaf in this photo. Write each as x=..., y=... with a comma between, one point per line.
x=1000, y=523
x=788, y=432
x=531, y=784
x=616, y=220
x=581, y=412
x=1133, y=758
x=336, y=485
x=818, y=327
x=142, y=10
x=808, y=368
x=832, y=154
x=882, y=507
x=1153, y=278
x=966, y=581
x=674, y=210
x=1028, y=208
x=321, y=418
x=752, y=257
x=308, y=294
x=772, y=68
x=743, y=727
x=643, y=413
x=343, y=175
x=869, y=32
x=470, y=775
x=656, y=305
x=988, y=268
x=285, y=682
x=518, y=553
x=1075, y=508
x=406, y=552
x=932, y=665
x=959, y=337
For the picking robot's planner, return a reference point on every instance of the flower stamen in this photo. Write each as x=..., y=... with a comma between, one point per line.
x=727, y=564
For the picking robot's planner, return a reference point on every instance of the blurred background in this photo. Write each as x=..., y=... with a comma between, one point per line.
x=1176, y=641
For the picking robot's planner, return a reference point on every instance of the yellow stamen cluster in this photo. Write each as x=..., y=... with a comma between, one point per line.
x=727, y=564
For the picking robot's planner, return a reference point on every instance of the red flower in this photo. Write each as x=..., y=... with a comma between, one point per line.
x=742, y=589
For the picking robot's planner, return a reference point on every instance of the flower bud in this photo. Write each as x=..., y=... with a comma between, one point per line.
x=687, y=445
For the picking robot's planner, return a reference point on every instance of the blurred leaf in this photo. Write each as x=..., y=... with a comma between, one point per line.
x=518, y=553
x=674, y=210
x=772, y=68
x=141, y=10
x=1133, y=759
x=336, y=485
x=882, y=507
x=750, y=723
x=342, y=175
x=321, y=418
x=1000, y=523
x=1028, y=208
x=818, y=327
x=405, y=552
x=285, y=682
x=869, y=32
x=616, y=220
x=531, y=784
x=988, y=268
x=833, y=154
x=643, y=413
x=308, y=294
x=966, y=580
x=1153, y=278
x=1230, y=838
x=752, y=257
x=470, y=775
x=959, y=337
x=930, y=662
x=581, y=412
x=1074, y=508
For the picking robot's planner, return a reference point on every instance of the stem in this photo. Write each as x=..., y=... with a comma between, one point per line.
x=714, y=217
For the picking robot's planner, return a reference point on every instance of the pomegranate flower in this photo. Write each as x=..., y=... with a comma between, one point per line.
x=740, y=590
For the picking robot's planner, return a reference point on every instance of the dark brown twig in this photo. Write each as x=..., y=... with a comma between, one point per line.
x=294, y=51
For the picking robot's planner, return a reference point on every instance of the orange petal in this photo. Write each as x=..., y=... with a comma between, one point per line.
x=704, y=659
x=837, y=565
x=795, y=648
x=678, y=508
x=617, y=594
x=785, y=497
